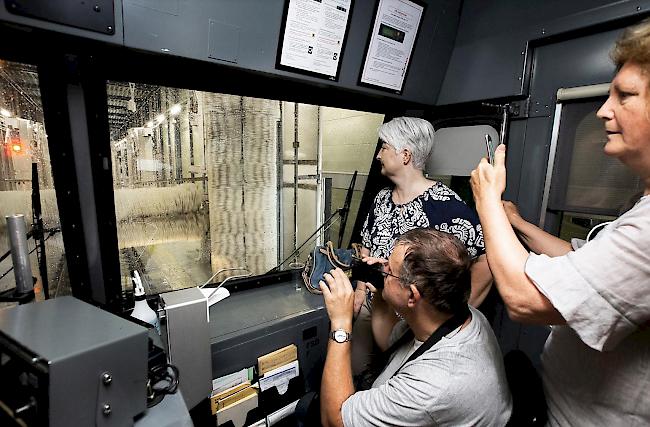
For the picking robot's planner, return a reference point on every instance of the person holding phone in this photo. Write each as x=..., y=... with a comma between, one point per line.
x=596, y=294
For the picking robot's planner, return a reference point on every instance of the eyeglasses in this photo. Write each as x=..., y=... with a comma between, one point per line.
x=378, y=268
x=386, y=274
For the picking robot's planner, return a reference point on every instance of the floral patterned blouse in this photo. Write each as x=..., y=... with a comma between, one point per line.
x=439, y=207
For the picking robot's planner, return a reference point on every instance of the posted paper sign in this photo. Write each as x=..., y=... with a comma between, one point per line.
x=314, y=32
x=391, y=43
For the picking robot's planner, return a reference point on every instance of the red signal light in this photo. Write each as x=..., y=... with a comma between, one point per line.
x=14, y=147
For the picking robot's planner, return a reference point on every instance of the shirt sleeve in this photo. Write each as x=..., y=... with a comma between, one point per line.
x=601, y=289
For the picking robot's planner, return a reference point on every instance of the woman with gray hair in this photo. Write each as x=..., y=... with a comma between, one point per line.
x=415, y=201
x=412, y=202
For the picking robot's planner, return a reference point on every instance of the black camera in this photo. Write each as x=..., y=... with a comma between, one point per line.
x=367, y=273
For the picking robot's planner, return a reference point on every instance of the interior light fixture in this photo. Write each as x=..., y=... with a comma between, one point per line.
x=176, y=108
x=150, y=124
x=5, y=112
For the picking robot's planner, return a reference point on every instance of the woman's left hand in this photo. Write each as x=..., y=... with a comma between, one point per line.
x=489, y=182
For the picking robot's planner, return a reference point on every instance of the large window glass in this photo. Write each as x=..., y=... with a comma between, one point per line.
x=24, y=156
x=585, y=180
x=207, y=181
x=587, y=187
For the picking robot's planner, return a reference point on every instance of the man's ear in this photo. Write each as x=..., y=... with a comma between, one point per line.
x=414, y=296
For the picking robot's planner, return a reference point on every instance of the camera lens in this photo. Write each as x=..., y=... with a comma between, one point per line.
x=368, y=273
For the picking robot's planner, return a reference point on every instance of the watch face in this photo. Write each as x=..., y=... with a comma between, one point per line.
x=340, y=336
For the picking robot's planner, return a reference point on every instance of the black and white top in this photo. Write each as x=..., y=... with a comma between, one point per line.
x=439, y=207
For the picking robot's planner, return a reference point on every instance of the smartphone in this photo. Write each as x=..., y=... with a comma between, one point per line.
x=490, y=149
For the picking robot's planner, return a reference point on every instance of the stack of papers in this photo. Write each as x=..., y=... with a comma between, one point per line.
x=231, y=396
x=227, y=381
x=277, y=358
x=280, y=377
x=278, y=367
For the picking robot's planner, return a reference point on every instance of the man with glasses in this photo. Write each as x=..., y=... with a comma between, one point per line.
x=444, y=366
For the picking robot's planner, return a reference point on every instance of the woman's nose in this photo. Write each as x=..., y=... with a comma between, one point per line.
x=605, y=112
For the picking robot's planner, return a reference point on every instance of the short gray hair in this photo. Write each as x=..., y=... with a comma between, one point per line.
x=410, y=133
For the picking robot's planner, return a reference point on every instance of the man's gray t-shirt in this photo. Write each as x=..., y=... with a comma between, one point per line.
x=460, y=381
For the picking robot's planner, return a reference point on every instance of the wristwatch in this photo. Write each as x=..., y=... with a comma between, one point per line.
x=340, y=336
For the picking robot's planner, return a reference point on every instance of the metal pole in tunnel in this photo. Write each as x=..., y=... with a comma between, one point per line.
x=279, y=158
x=20, y=254
x=296, y=144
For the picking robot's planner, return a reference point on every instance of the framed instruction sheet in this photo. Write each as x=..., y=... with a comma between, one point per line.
x=391, y=43
x=312, y=37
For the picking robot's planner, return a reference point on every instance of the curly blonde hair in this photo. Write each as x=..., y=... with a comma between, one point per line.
x=634, y=46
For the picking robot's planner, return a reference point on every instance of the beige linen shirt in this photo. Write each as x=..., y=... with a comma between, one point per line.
x=596, y=369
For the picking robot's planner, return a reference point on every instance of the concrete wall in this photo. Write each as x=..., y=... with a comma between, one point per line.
x=308, y=134
x=349, y=143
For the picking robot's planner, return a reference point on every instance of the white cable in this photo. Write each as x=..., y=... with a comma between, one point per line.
x=221, y=271
x=239, y=276
x=596, y=227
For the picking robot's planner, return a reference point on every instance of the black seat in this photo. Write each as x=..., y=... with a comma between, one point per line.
x=308, y=410
x=528, y=402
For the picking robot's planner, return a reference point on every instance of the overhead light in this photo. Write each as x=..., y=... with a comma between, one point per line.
x=150, y=124
x=160, y=118
x=176, y=108
x=5, y=112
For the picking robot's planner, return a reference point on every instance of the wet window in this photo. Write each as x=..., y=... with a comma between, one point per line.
x=584, y=179
x=587, y=187
x=25, y=172
x=206, y=182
